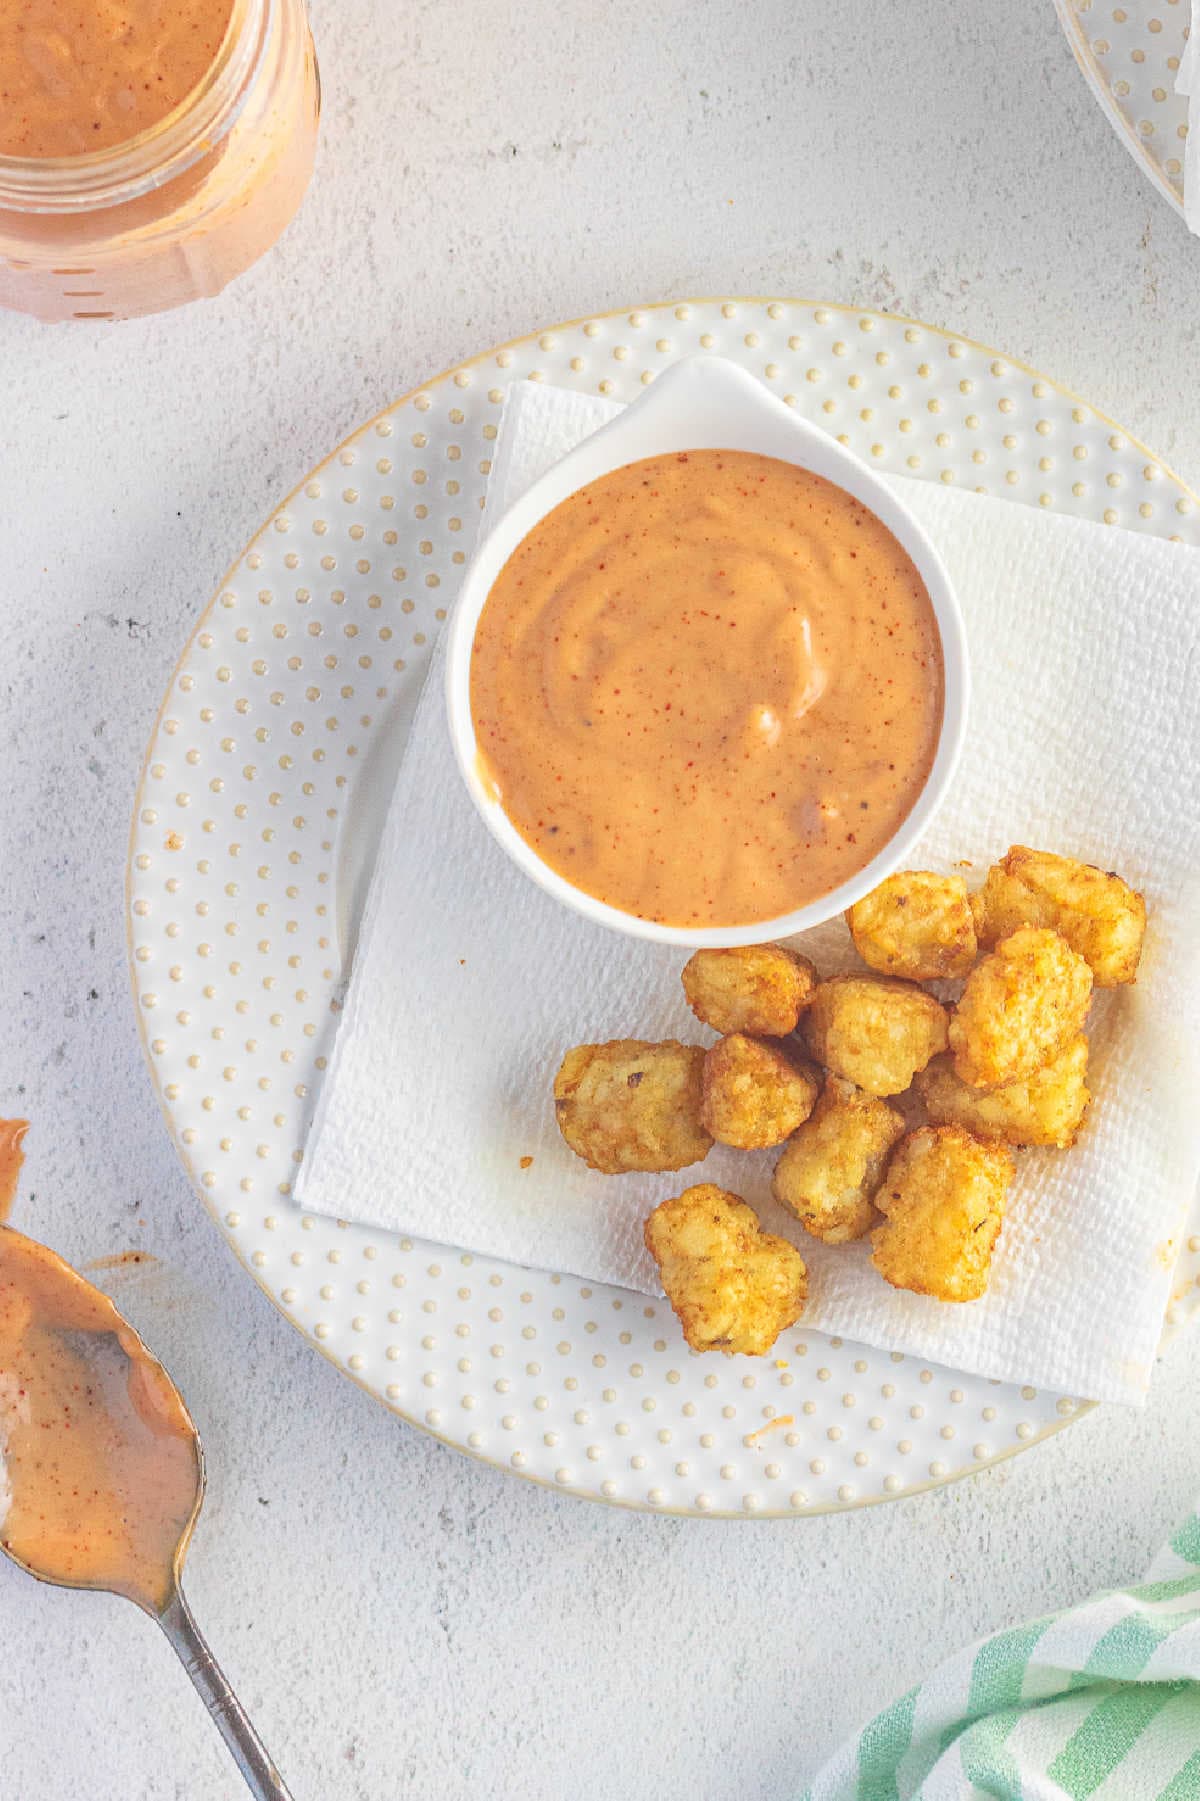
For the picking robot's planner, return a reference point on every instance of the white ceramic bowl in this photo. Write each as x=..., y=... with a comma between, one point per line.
x=706, y=403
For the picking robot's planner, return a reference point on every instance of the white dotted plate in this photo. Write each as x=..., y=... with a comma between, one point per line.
x=1130, y=54
x=256, y=820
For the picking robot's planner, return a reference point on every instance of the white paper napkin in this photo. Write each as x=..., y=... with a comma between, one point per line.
x=1187, y=82
x=469, y=982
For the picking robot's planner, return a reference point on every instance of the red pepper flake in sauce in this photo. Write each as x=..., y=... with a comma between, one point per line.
x=690, y=676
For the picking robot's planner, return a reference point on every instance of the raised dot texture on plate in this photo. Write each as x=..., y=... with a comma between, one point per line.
x=249, y=893
x=1129, y=55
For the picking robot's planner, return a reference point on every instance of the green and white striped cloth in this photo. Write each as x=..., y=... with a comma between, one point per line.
x=1101, y=1701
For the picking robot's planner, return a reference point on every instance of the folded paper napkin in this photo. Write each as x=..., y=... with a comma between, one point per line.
x=1187, y=81
x=469, y=983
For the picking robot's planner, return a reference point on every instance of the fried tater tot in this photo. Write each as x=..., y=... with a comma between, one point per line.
x=833, y=1164
x=1047, y=1108
x=1101, y=917
x=943, y=1199
x=757, y=988
x=733, y=1286
x=1019, y=1007
x=755, y=1092
x=873, y=1030
x=629, y=1105
x=915, y=924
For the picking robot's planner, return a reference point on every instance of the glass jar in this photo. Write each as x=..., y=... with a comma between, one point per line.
x=176, y=212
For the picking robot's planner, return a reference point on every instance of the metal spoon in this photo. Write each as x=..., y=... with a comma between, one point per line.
x=91, y=1331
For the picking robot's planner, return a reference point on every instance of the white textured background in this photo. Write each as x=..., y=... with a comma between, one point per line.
x=401, y=1621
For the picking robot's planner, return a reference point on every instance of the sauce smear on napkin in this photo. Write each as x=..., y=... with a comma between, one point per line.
x=708, y=687
x=99, y=1466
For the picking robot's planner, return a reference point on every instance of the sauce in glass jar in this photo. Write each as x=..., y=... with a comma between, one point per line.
x=150, y=150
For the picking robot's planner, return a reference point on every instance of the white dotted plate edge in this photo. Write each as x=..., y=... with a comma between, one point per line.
x=251, y=842
x=1130, y=54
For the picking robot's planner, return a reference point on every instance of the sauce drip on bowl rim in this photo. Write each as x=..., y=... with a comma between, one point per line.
x=707, y=688
x=100, y=1473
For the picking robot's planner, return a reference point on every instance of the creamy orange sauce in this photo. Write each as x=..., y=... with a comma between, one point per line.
x=12, y=1156
x=708, y=688
x=99, y=1464
x=81, y=75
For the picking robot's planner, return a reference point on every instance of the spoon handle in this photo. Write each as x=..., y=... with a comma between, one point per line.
x=232, y=1722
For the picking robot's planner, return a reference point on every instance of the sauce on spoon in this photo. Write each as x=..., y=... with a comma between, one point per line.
x=100, y=1472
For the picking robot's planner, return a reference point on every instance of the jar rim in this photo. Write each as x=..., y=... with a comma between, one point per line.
x=157, y=154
